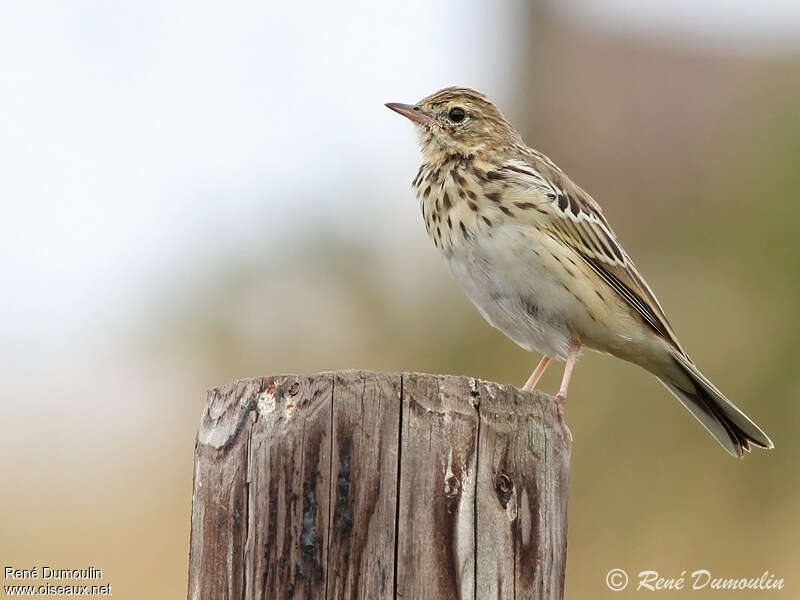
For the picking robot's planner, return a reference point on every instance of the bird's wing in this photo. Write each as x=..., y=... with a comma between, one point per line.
x=573, y=217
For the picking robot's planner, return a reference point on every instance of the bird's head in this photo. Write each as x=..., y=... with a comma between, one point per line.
x=458, y=121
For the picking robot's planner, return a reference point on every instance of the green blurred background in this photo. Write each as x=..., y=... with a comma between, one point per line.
x=198, y=193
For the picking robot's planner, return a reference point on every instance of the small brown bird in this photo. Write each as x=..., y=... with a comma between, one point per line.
x=537, y=257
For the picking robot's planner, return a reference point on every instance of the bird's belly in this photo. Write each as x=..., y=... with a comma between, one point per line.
x=507, y=276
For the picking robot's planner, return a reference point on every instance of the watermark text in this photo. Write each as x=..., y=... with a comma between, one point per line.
x=700, y=579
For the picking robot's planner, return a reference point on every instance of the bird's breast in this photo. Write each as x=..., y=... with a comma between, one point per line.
x=462, y=200
x=523, y=282
x=510, y=281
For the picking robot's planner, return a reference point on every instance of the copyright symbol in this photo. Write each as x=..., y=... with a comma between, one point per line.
x=617, y=580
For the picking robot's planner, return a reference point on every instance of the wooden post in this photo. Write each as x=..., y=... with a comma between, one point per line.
x=366, y=485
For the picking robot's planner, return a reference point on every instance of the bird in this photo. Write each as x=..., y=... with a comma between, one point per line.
x=539, y=260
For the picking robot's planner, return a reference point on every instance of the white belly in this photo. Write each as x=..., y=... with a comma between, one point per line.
x=511, y=278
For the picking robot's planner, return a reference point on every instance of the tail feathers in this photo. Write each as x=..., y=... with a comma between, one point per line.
x=732, y=428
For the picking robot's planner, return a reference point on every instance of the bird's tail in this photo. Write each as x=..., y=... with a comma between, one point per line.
x=732, y=428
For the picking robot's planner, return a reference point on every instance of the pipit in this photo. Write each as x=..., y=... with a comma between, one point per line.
x=537, y=257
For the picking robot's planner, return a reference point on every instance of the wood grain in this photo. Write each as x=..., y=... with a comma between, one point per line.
x=523, y=471
x=436, y=546
x=289, y=474
x=365, y=485
x=366, y=423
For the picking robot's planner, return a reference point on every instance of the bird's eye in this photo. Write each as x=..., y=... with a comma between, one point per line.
x=457, y=114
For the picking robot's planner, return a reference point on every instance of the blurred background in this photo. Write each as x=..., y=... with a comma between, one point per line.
x=198, y=192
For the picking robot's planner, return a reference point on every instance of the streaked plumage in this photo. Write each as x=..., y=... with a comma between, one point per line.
x=537, y=257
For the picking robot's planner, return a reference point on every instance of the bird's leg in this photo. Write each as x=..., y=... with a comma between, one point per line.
x=572, y=357
x=537, y=374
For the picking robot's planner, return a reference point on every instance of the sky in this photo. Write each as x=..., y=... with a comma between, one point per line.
x=729, y=26
x=138, y=139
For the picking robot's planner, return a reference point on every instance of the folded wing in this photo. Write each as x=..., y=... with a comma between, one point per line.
x=576, y=220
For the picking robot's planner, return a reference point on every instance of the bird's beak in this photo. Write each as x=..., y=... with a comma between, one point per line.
x=411, y=112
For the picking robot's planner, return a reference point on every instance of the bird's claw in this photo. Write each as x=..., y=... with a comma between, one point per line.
x=560, y=400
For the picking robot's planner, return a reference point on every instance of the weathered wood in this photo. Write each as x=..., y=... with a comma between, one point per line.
x=220, y=501
x=289, y=475
x=436, y=546
x=523, y=485
x=364, y=485
x=366, y=418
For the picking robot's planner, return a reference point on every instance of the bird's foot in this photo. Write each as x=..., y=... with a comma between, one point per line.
x=560, y=400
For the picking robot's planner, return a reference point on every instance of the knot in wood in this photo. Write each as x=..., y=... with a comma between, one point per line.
x=505, y=487
x=452, y=486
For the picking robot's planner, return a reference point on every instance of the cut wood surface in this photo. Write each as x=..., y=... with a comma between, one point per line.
x=378, y=486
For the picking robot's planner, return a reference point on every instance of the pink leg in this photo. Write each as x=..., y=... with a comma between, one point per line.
x=572, y=357
x=537, y=374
